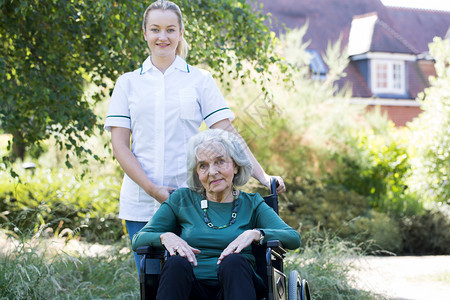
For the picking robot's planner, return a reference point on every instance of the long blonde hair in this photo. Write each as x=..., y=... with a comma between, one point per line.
x=182, y=48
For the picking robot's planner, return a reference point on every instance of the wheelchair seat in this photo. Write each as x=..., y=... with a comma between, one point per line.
x=269, y=266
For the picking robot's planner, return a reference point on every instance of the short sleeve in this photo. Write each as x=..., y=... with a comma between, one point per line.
x=213, y=105
x=118, y=111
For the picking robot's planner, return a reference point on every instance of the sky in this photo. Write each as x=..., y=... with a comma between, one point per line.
x=427, y=4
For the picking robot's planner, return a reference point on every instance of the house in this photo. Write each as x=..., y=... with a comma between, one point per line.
x=387, y=47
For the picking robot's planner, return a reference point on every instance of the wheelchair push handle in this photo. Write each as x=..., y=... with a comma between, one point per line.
x=273, y=185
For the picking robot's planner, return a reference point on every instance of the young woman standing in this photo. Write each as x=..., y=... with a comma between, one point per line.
x=155, y=110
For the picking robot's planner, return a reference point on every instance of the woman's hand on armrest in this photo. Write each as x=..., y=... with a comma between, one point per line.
x=244, y=240
x=174, y=244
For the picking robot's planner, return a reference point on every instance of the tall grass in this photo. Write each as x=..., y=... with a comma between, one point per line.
x=325, y=261
x=34, y=270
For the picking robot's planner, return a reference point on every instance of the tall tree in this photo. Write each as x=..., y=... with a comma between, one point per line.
x=50, y=49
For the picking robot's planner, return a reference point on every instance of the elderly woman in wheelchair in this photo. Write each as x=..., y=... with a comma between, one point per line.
x=209, y=228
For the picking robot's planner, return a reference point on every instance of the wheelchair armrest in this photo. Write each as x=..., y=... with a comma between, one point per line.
x=277, y=246
x=275, y=254
x=150, y=262
x=149, y=250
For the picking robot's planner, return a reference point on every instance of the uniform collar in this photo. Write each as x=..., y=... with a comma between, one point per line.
x=178, y=63
x=181, y=64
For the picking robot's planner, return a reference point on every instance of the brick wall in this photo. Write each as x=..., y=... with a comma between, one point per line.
x=400, y=115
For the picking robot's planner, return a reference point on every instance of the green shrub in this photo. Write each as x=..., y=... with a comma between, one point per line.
x=345, y=213
x=58, y=200
x=378, y=171
x=309, y=205
x=382, y=231
x=427, y=233
x=430, y=139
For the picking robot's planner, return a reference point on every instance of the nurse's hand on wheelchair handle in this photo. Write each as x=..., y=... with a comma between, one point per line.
x=244, y=240
x=281, y=187
x=174, y=244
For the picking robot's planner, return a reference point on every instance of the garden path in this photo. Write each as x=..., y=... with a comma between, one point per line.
x=405, y=277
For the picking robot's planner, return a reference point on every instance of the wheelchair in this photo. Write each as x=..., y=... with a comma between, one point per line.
x=269, y=266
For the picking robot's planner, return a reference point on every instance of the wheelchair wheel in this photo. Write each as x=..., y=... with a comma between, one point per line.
x=298, y=289
x=294, y=287
x=305, y=295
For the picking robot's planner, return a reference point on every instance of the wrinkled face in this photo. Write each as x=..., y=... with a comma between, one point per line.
x=162, y=32
x=215, y=168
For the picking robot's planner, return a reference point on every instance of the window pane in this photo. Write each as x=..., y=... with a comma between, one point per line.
x=397, y=76
x=381, y=75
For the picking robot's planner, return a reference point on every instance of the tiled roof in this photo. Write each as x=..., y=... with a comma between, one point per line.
x=355, y=80
x=370, y=34
x=419, y=26
x=327, y=19
x=386, y=39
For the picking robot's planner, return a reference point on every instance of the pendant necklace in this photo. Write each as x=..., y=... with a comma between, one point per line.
x=204, y=207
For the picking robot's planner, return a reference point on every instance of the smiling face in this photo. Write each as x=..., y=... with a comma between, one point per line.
x=162, y=33
x=216, y=170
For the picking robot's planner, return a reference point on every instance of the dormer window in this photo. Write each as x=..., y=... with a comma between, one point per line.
x=317, y=67
x=388, y=76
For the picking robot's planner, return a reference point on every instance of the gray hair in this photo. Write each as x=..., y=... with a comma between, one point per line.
x=232, y=145
x=182, y=48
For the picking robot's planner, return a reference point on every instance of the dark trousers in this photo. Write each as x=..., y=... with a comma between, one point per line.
x=236, y=281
